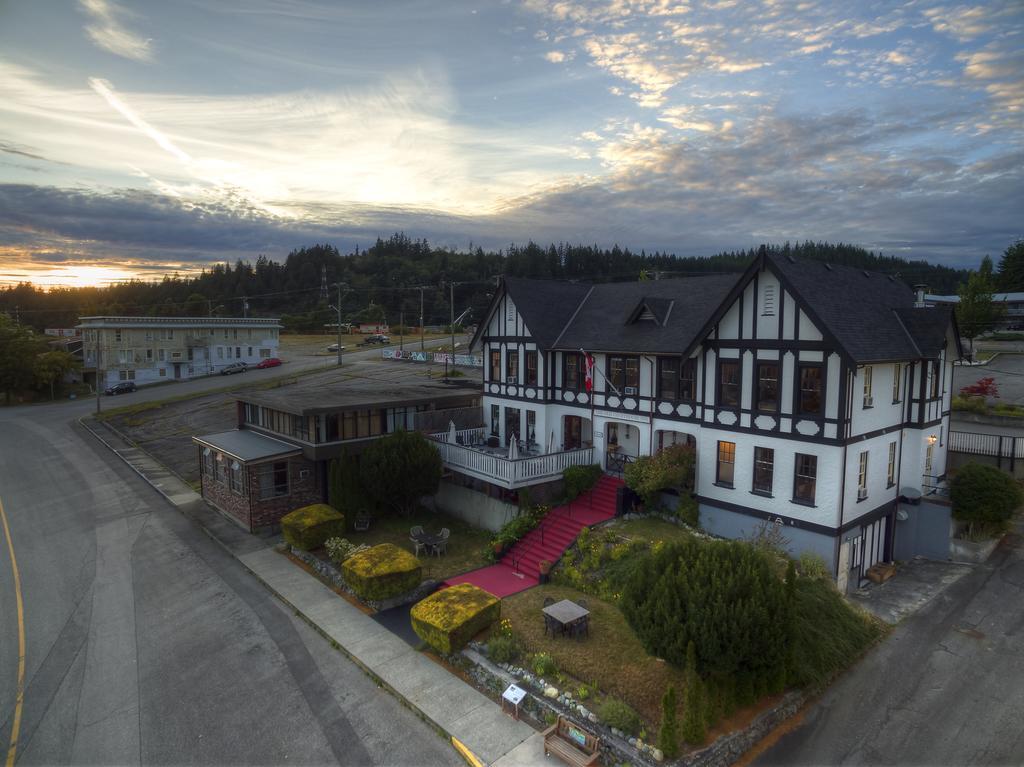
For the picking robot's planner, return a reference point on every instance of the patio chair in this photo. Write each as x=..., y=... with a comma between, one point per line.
x=362, y=522
x=550, y=625
x=580, y=628
x=441, y=545
x=548, y=601
x=415, y=537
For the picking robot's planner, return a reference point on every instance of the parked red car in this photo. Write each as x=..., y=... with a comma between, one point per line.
x=269, y=362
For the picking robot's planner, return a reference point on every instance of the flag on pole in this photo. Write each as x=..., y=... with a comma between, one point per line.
x=590, y=371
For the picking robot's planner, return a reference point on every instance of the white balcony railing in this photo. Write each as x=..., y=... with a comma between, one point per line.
x=510, y=473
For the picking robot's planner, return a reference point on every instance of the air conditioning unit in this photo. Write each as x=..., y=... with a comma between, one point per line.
x=630, y=391
x=303, y=473
x=862, y=493
x=869, y=401
x=511, y=380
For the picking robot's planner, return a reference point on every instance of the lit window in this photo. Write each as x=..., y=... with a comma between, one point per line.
x=726, y=463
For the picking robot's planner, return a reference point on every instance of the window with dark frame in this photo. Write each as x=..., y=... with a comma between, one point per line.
x=768, y=386
x=668, y=378
x=806, y=478
x=571, y=377
x=764, y=469
x=495, y=420
x=495, y=364
x=512, y=364
x=891, y=476
x=623, y=372
x=531, y=368
x=729, y=384
x=810, y=390
x=688, y=381
x=896, y=382
x=935, y=379
x=273, y=479
x=726, y=463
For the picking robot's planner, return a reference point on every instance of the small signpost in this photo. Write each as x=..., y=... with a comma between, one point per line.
x=511, y=699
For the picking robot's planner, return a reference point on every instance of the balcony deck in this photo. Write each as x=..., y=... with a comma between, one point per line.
x=493, y=465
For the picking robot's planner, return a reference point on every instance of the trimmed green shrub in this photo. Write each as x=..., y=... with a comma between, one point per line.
x=671, y=467
x=725, y=596
x=688, y=510
x=984, y=497
x=307, y=528
x=516, y=528
x=345, y=487
x=694, y=715
x=502, y=648
x=543, y=664
x=448, y=619
x=580, y=479
x=618, y=714
x=382, y=572
x=668, y=735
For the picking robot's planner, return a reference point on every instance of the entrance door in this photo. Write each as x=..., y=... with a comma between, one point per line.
x=177, y=370
x=572, y=432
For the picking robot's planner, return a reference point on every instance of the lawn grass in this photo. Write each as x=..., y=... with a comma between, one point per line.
x=611, y=657
x=650, y=529
x=466, y=546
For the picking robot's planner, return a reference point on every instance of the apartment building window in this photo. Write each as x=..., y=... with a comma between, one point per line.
x=274, y=479
x=896, y=370
x=726, y=463
x=126, y=375
x=512, y=366
x=764, y=470
x=862, y=477
x=264, y=354
x=124, y=357
x=624, y=373
x=868, y=375
x=250, y=352
x=234, y=334
x=805, y=479
x=495, y=420
x=218, y=470
x=768, y=386
x=688, y=381
x=935, y=379
x=117, y=336
x=531, y=368
x=668, y=378
x=571, y=374
x=495, y=364
x=235, y=477
x=531, y=426
x=149, y=355
x=220, y=353
x=208, y=462
x=810, y=389
x=891, y=475
x=238, y=352
x=729, y=384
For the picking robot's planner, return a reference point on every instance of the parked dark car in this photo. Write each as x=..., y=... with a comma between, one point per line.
x=234, y=367
x=124, y=387
x=377, y=338
x=270, y=362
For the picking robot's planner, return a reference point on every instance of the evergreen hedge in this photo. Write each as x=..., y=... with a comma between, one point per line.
x=984, y=497
x=580, y=479
x=448, y=619
x=382, y=572
x=307, y=528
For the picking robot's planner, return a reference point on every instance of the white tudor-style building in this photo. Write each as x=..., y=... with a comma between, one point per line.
x=815, y=394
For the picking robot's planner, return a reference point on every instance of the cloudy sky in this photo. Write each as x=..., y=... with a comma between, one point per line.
x=138, y=138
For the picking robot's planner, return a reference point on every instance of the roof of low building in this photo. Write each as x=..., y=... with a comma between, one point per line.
x=247, y=446
x=185, y=322
x=311, y=397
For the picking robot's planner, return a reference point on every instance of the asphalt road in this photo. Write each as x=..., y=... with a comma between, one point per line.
x=1008, y=371
x=146, y=642
x=945, y=689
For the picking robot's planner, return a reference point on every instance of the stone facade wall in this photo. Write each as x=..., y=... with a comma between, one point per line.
x=254, y=513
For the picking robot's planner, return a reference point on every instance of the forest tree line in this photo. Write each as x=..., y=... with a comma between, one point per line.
x=386, y=281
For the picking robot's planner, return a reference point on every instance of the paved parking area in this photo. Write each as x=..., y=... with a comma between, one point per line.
x=915, y=584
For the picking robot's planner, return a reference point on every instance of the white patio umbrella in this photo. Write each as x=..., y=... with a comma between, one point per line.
x=513, y=448
x=551, y=442
x=452, y=436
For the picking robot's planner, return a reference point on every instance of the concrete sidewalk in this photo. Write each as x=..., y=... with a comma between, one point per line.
x=454, y=707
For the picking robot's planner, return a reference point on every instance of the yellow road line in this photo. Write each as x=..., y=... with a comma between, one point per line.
x=20, y=699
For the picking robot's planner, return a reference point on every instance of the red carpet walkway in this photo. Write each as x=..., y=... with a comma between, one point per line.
x=519, y=570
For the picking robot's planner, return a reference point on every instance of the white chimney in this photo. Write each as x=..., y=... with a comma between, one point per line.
x=919, y=293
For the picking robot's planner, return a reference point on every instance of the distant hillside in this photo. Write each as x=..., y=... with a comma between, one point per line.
x=385, y=281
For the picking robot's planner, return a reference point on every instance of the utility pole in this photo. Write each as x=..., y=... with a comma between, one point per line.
x=97, y=331
x=401, y=330
x=338, y=307
x=422, y=346
x=451, y=328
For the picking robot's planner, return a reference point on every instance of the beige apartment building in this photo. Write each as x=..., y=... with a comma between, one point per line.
x=152, y=349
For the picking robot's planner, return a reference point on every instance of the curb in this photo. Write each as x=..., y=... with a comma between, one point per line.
x=471, y=759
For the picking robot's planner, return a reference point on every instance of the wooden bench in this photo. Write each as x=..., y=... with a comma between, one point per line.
x=571, y=743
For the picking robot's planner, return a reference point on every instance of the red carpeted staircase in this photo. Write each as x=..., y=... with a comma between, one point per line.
x=518, y=569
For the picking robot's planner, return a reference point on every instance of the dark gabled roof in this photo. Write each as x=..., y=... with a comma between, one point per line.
x=602, y=322
x=928, y=327
x=545, y=305
x=247, y=446
x=854, y=306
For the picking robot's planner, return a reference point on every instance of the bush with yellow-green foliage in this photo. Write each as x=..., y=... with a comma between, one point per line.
x=448, y=619
x=382, y=572
x=307, y=528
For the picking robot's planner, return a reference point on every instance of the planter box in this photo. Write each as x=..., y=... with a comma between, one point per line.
x=961, y=550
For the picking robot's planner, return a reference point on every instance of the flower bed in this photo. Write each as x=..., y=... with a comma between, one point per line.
x=448, y=619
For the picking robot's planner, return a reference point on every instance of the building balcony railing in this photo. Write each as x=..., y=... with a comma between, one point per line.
x=493, y=464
